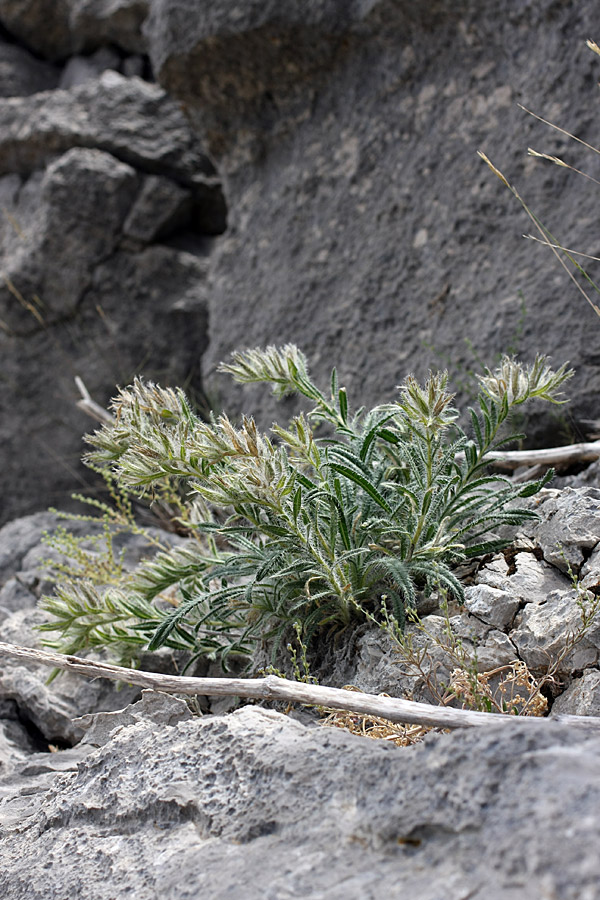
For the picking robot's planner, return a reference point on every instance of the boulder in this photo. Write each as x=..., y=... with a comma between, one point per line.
x=112, y=113
x=107, y=223
x=493, y=606
x=569, y=526
x=22, y=74
x=75, y=25
x=258, y=804
x=582, y=697
x=543, y=629
x=34, y=712
x=362, y=225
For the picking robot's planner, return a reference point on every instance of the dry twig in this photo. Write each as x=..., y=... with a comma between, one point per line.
x=274, y=688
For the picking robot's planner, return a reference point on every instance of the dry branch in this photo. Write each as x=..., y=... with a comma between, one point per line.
x=552, y=456
x=274, y=688
x=90, y=406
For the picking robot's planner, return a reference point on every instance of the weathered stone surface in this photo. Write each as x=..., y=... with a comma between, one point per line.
x=530, y=579
x=19, y=536
x=85, y=233
x=75, y=25
x=569, y=527
x=162, y=709
x=51, y=708
x=111, y=113
x=29, y=22
x=80, y=69
x=543, y=628
x=92, y=190
x=22, y=74
x=15, y=595
x=160, y=206
x=95, y=23
x=582, y=697
x=362, y=225
x=259, y=804
x=491, y=605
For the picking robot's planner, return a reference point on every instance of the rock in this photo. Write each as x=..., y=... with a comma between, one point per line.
x=491, y=605
x=590, y=572
x=51, y=708
x=112, y=113
x=16, y=595
x=160, y=206
x=530, y=579
x=570, y=526
x=28, y=21
x=22, y=74
x=80, y=69
x=156, y=801
x=582, y=697
x=24, y=783
x=95, y=23
x=542, y=630
x=86, y=231
x=47, y=710
x=360, y=226
x=162, y=709
x=75, y=25
x=19, y=536
x=77, y=271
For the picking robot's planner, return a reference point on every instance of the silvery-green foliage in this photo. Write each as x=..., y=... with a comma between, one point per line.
x=296, y=527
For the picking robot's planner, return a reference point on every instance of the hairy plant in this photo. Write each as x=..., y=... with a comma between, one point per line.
x=291, y=527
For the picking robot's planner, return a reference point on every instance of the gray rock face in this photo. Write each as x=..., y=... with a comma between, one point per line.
x=493, y=606
x=22, y=74
x=362, y=225
x=32, y=712
x=570, y=526
x=111, y=113
x=255, y=803
x=582, y=697
x=75, y=25
x=542, y=629
x=103, y=244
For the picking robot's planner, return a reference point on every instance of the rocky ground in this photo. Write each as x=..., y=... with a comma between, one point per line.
x=256, y=803
x=181, y=178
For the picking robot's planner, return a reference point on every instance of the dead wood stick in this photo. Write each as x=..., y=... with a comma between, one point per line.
x=274, y=688
x=552, y=456
x=90, y=406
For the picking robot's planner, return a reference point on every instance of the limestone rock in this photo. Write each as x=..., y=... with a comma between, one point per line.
x=114, y=114
x=75, y=25
x=224, y=799
x=361, y=224
x=18, y=537
x=570, y=525
x=543, y=629
x=80, y=69
x=49, y=709
x=530, y=579
x=582, y=697
x=95, y=23
x=22, y=74
x=491, y=605
x=29, y=22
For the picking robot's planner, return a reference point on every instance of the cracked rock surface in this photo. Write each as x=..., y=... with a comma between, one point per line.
x=255, y=804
